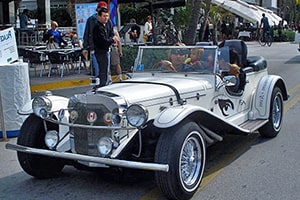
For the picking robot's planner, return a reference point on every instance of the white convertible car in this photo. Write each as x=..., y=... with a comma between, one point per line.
x=162, y=118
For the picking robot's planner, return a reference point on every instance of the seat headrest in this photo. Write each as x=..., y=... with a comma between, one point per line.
x=240, y=47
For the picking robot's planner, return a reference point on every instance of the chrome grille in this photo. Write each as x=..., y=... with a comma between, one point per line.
x=85, y=140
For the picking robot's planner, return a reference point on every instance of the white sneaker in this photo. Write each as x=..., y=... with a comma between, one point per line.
x=120, y=78
x=109, y=82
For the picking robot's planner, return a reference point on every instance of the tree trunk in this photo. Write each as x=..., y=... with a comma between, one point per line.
x=190, y=34
x=207, y=10
x=71, y=11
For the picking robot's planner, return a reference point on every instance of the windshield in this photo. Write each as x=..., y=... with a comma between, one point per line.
x=176, y=59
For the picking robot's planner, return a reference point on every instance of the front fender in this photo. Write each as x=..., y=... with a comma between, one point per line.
x=58, y=102
x=26, y=109
x=261, y=103
x=173, y=116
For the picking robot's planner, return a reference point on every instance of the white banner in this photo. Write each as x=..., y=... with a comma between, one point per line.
x=83, y=12
x=8, y=46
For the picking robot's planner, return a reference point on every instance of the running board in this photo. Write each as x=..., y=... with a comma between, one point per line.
x=253, y=125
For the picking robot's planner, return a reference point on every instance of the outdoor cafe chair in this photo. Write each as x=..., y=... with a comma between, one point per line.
x=36, y=59
x=58, y=61
x=76, y=59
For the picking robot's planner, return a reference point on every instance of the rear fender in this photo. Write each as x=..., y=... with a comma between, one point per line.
x=261, y=103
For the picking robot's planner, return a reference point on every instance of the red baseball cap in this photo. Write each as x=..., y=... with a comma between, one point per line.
x=102, y=4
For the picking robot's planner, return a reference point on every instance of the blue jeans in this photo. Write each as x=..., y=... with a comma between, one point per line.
x=103, y=63
x=95, y=64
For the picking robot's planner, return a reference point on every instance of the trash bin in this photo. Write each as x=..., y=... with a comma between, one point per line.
x=15, y=92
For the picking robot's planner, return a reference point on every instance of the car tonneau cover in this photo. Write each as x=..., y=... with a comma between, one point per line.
x=257, y=62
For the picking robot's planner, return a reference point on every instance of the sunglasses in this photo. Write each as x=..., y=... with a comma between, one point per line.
x=179, y=51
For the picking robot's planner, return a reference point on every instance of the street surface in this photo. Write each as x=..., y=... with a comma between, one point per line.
x=238, y=168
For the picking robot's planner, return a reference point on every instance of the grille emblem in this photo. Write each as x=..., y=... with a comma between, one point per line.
x=91, y=117
x=73, y=116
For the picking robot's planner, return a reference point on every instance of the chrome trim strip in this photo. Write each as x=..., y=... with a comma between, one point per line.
x=89, y=126
x=107, y=161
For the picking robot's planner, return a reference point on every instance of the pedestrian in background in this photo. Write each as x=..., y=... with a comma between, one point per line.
x=280, y=28
x=103, y=38
x=24, y=20
x=55, y=37
x=135, y=31
x=264, y=24
x=88, y=42
x=148, y=29
x=115, y=55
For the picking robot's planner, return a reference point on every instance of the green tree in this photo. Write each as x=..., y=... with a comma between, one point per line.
x=190, y=34
x=62, y=16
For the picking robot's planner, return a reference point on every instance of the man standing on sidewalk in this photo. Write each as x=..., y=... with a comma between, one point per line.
x=103, y=38
x=88, y=43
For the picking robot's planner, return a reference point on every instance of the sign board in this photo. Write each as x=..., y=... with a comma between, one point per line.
x=8, y=46
x=83, y=12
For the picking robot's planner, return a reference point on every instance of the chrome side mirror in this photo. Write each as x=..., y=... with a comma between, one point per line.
x=229, y=80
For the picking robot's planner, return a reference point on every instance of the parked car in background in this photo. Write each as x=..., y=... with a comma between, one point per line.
x=163, y=118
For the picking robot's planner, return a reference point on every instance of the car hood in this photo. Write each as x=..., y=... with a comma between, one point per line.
x=149, y=88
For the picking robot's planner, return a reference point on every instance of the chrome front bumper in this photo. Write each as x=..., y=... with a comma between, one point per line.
x=106, y=161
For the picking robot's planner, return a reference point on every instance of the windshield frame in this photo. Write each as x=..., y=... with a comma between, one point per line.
x=148, y=56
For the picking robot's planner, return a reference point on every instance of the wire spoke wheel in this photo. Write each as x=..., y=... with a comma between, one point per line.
x=190, y=161
x=183, y=148
x=261, y=40
x=272, y=128
x=269, y=40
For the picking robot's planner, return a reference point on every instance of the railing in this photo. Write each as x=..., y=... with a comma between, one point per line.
x=34, y=36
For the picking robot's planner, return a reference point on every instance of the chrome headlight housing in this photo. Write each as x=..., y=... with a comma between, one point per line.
x=137, y=115
x=41, y=106
x=73, y=101
x=51, y=139
x=105, y=146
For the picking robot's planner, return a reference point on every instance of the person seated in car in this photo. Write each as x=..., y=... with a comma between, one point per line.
x=195, y=59
x=177, y=58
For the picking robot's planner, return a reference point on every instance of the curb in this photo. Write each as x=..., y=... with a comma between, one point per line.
x=65, y=84
x=60, y=85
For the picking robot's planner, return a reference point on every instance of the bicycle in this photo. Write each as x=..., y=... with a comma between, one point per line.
x=266, y=39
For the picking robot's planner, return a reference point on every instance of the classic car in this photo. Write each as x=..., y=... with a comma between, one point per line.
x=163, y=118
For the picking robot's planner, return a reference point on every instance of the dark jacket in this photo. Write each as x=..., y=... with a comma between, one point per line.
x=102, y=37
x=88, y=42
x=136, y=28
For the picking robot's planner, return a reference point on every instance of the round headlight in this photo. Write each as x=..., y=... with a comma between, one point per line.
x=51, y=139
x=137, y=115
x=105, y=145
x=40, y=105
